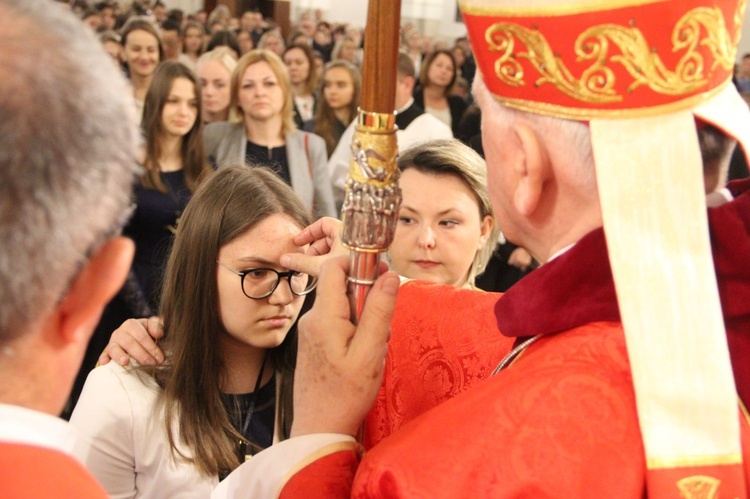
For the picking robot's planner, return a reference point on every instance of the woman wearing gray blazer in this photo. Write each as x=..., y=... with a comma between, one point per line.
x=261, y=120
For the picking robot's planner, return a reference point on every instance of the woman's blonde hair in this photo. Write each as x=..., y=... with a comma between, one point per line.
x=226, y=57
x=452, y=157
x=282, y=75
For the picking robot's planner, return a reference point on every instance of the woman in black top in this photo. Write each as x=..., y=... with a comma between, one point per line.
x=437, y=77
x=300, y=61
x=173, y=164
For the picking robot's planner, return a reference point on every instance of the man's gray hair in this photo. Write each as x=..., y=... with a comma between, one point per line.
x=68, y=145
x=571, y=139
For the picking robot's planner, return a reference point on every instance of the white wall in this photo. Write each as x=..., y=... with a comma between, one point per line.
x=187, y=6
x=744, y=46
x=441, y=25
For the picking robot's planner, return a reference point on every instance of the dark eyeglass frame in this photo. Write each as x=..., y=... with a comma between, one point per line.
x=279, y=275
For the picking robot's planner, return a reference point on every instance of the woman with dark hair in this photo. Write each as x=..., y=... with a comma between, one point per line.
x=300, y=61
x=174, y=163
x=192, y=40
x=244, y=41
x=261, y=131
x=342, y=85
x=141, y=51
x=224, y=38
x=229, y=311
x=437, y=77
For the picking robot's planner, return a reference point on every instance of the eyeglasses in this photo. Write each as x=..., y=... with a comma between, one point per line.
x=261, y=283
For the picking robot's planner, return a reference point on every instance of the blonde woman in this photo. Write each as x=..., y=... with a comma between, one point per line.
x=446, y=231
x=214, y=70
x=273, y=41
x=263, y=132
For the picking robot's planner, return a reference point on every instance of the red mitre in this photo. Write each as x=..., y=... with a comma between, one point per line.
x=614, y=59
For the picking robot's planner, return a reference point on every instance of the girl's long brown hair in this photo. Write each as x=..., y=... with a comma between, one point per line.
x=229, y=203
x=193, y=158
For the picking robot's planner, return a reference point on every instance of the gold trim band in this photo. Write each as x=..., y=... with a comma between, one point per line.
x=376, y=122
x=361, y=250
x=692, y=461
x=552, y=10
x=584, y=114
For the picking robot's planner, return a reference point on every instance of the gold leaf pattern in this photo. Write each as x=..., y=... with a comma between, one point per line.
x=700, y=27
x=699, y=487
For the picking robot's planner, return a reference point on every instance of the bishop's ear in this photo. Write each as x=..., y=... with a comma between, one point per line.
x=532, y=170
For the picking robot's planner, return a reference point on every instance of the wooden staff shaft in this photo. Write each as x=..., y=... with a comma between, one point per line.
x=379, y=71
x=381, y=56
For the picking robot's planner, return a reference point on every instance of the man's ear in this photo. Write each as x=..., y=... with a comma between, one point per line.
x=532, y=171
x=98, y=281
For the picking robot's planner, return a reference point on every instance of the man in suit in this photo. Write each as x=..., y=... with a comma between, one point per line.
x=67, y=163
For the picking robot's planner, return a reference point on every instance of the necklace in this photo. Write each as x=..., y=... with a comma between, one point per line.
x=244, y=448
x=515, y=353
x=176, y=198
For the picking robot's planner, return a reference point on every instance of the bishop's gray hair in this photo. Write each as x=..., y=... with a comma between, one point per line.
x=68, y=144
x=570, y=138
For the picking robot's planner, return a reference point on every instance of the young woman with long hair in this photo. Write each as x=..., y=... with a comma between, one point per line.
x=142, y=51
x=342, y=84
x=229, y=311
x=174, y=163
x=192, y=40
x=300, y=61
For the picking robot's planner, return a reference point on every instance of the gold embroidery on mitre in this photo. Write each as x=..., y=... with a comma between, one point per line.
x=699, y=487
x=641, y=62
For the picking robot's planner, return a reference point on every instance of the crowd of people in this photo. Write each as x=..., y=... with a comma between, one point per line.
x=285, y=104
x=232, y=337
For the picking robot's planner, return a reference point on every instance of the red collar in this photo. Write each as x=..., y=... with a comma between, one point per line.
x=577, y=288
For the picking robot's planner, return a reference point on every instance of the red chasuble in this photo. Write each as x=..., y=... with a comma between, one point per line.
x=30, y=472
x=561, y=421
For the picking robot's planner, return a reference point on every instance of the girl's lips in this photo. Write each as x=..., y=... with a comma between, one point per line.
x=277, y=321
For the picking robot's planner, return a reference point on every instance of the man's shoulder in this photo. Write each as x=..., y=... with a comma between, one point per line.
x=28, y=471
